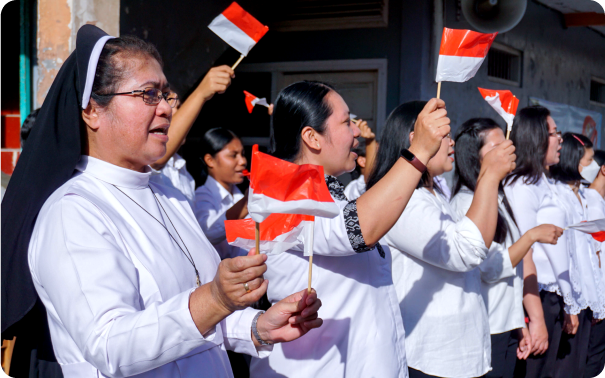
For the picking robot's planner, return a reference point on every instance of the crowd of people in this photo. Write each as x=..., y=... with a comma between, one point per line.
x=412, y=279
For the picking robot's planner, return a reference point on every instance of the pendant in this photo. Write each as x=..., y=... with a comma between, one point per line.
x=197, y=280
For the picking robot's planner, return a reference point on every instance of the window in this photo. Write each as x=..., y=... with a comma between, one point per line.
x=597, y=91
x=303, y=15
x=504, y=65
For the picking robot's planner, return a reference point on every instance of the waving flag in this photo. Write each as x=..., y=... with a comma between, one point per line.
x=277, y=186
x=278, y=233
x=596, y=228
x=238, y=28
x=252, y=100
x=461, y=54
x=503, y=102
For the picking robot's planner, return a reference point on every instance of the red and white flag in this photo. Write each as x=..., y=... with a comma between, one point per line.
x=504, y=103
x=252, y=100
x=596, y=228
x=278, y=233
x=278, y=186
x=461, y=54
x=238, y=28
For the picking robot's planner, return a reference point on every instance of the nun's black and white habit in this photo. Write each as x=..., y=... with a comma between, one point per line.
x=114, y=282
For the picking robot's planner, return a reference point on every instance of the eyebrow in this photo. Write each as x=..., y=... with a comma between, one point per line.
x=154, y=84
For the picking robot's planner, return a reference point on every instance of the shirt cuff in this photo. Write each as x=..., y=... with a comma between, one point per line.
x=238, y=334
x=354, y=230
x=497, y=265
x=467, y=229
x=187, y=320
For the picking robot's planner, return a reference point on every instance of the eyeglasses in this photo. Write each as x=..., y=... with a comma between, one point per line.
x=556, y=134
x=151, y=96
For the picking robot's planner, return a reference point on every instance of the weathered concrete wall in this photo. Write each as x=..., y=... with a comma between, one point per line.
x=57, y=26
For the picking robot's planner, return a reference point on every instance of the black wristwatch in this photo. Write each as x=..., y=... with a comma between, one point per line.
x=411, y=158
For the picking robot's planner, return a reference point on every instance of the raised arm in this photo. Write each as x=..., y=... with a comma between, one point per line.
x=217, y=80
x=380, y=207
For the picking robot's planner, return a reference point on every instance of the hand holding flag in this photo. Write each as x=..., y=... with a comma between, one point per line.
x=504, y=103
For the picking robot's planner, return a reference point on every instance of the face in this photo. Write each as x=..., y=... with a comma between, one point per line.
x=228, y=164
x=492, y=138
x=586, y=159
x=554, y=144
x=339, y=140
x=443, y=159
x=128, y=132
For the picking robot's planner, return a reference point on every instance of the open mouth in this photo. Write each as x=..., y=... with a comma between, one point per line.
x=160, y=130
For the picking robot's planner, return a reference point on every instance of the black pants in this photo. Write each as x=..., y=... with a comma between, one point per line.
x=413, y=373
x=573, y=349
x=543, y=366
x=595, y=359
x=504, y=354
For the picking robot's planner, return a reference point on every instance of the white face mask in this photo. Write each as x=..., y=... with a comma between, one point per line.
x=590, y=172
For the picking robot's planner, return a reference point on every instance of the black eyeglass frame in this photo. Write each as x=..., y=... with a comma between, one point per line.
x=172, y=101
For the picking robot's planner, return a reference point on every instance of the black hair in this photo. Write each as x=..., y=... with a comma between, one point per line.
x=599, y=157
x=530, y=137
x=27, y=126
x=394, y=138
x=213, y=142
x=298, y=105
x=470, y=139
x=572, y=151
x=586, y=140
x=112, y=66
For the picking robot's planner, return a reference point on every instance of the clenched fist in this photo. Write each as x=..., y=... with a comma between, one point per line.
x=217, y=80
x=500, y=161
x=432, y=125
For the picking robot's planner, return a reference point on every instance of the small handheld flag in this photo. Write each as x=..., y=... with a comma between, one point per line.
x=596, y=228
x=504, y=103
x=461, y=54
x=252, y=100
x=239, y=29
x=278, y=186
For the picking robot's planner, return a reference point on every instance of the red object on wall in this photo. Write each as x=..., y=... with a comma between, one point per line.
x=9, y=160
x=11, y=131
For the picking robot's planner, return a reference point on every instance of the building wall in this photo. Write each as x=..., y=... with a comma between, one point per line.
x=557, y=65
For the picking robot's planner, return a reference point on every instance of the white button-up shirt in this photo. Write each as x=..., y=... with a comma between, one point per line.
x=590, y=283
x=439, y=289
x=538, y=204
x=212, y=201
x=355, y=188
x=362, y=334
x=116, y=286
x=175, y=174
x=502, y=284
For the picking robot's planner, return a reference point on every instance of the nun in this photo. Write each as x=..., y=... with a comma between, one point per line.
x=130, y=284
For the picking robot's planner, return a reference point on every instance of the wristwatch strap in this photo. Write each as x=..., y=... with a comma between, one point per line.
x=411, y=158
x=255, y=331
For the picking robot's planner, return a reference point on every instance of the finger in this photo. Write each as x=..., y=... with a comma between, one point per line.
x=254, y=284
x=225, y=68
x=247, y=275
x=316, y=323
x=312, y=308
x=241, y=263
x=311, y=297
x=298, y=319
x=439, y=113
x=257, y=294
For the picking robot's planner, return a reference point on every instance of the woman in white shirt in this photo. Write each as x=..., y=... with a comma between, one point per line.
x=576, y=155
x=363, y=333
x=502, y=271
x=535, y=200
x=130, y=284
x=434, y=255
x=219, y=199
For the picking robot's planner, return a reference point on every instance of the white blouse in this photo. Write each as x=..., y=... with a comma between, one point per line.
x=538, y=204
x=356, y=188
x=591, y=284
x=596, y=210
x=175, y=173
x=502, y=284
x=362, y=334
x=212, y=201
x=439, y=289
x=115, y=285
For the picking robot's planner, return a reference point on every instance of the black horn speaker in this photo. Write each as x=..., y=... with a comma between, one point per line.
x=489, y=16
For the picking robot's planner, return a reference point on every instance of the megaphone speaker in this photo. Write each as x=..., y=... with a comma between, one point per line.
x=489, y=16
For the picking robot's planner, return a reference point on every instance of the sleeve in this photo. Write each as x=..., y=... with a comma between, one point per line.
x=238, y=334
x=211, y=219
x=93, y=287
x=426, y=233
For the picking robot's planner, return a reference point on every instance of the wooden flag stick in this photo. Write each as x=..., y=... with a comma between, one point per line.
x=257, y=236
x=438, y=90
x=310, y=273
x=309, y=245
x=507, y=134
x=241, y=57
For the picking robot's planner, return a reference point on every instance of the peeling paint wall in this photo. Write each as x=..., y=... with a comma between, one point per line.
x=58, y=24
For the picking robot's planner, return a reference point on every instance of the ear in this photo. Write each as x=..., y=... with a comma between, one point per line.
x=311, y=139
x=602, y=170
x=91, y=116
x=361, y=161
x=411, y=137
x=209, y=160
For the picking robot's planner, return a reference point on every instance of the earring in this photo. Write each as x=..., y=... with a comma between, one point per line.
x=318, y=145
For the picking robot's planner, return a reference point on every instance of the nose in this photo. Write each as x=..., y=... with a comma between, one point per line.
x=163, y=109
x=356, y=130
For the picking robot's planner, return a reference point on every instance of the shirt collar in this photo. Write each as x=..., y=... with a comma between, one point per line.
x=112, y=174
x=216, y=188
